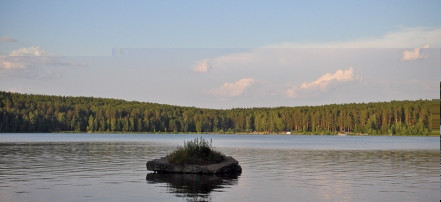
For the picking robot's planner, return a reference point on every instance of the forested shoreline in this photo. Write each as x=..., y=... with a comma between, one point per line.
x=42, y=113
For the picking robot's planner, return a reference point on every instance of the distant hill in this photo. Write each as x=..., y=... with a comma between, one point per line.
x=41, y=113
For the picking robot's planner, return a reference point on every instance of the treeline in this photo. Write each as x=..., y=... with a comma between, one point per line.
x=40, y=113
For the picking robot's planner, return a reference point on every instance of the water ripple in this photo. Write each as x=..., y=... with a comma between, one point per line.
x=73, y=171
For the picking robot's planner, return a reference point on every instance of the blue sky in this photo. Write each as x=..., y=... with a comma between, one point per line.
x=223, y=54
x=91, y=28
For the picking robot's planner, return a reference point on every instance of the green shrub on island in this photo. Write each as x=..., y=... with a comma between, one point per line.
x=198, y=151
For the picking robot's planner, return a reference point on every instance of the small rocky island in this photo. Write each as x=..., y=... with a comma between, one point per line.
x=196, y=156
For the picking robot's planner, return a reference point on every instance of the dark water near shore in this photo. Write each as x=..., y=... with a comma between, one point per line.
x=111, y=167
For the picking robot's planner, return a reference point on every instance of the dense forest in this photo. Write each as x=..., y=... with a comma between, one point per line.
x=41, y=113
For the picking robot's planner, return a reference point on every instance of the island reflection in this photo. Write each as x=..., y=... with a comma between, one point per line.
x=193, y=187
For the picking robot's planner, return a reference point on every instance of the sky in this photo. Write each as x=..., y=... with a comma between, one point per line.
x=224, y=54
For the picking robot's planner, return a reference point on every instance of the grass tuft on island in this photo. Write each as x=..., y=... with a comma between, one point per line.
x=198, y=151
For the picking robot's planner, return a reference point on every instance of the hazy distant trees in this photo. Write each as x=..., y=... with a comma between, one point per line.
x=37, y=113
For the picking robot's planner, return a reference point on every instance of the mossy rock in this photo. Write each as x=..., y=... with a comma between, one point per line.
x=162, y=165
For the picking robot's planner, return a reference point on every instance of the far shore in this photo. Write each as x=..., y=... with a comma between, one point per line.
x=433, y=134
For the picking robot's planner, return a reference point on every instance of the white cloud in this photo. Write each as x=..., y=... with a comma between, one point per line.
x=402, y=38
x=16, y=90
x=292, y=92
x=31, y=51
x=28, y=62
x=415, y=54
x=7, y=39
x=233, y=89
x=274, y=54
x=228, y=60
x=323, y=82
x=11, y=63
x=202, y=66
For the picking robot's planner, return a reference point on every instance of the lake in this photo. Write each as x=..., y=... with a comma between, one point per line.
x=111, y=167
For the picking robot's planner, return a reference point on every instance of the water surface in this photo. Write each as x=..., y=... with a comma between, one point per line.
x=103, y=167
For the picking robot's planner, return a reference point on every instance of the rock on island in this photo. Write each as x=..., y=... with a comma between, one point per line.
x=162, y=165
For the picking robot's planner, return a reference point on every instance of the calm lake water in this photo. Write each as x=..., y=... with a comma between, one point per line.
x=111, y=167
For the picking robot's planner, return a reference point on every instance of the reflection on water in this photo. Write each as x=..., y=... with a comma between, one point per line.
x=341, y=175
x=66, y=170
x=193, y=187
